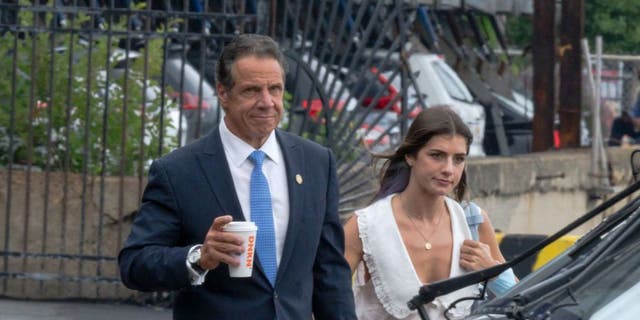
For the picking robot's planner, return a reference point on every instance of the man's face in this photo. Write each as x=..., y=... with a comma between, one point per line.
x=253, y=106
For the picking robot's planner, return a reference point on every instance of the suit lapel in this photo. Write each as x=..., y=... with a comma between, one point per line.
x=213, y=163
x=294, y=159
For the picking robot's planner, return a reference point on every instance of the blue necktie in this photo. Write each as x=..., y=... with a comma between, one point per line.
x=262, y=215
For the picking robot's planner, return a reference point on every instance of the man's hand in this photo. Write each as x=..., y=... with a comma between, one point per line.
x=219, y=246
x=475, y=255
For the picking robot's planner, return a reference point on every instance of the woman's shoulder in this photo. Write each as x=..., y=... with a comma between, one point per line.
x=378, y=206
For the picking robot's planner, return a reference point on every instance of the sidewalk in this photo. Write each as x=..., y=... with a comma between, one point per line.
x=30, y=310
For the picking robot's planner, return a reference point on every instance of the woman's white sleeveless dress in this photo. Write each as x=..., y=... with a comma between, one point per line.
x=393, y=279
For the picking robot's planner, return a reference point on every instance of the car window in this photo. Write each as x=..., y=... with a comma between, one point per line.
x=451, y=82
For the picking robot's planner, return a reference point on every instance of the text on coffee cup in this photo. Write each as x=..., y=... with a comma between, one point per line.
x=250, y=245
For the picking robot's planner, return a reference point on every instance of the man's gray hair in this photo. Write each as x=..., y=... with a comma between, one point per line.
x=244, y=45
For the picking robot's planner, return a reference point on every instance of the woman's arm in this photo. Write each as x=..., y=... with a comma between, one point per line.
x=507, y=279
x=488, y=236
x=353, y=244
x=482, y=254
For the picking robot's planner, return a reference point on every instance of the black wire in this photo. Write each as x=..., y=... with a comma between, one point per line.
x=480, y=297
x=555, y=308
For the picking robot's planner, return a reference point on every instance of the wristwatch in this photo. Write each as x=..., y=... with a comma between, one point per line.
x=194, y=258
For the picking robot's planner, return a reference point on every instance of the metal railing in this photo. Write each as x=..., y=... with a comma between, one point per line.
x=90, y=95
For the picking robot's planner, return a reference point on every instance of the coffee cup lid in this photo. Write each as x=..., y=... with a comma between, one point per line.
x=240, y=226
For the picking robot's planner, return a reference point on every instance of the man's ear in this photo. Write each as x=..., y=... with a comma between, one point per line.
x=223, y=94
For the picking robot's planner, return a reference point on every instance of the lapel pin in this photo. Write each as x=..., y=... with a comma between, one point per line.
x=298, y=179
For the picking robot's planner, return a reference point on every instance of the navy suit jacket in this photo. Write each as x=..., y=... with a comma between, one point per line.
x=190, y=187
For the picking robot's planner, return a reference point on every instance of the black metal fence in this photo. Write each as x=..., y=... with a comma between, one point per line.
x=91, y=93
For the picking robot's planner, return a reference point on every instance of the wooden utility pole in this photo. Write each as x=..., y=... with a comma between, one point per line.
x=570, y=54
x=543, y=73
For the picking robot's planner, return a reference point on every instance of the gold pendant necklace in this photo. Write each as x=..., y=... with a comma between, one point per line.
x=427, y=244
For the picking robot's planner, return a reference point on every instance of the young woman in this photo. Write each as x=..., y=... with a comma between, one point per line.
x=413, y=233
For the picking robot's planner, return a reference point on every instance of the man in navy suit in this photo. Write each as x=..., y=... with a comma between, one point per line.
x=176, y=241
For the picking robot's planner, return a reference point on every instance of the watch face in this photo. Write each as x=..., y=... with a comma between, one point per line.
x=194, y=256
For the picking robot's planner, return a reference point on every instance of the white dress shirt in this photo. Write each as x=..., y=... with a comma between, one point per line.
x=237, y=152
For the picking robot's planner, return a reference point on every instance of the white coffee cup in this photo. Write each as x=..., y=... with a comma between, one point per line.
x=247, y=230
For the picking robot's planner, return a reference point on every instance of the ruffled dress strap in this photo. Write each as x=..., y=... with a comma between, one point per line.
x=394, y=280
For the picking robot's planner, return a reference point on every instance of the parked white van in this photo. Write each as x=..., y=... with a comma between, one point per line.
x=436, y=83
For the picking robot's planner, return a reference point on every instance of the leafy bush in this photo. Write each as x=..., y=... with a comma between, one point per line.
x=56, y=110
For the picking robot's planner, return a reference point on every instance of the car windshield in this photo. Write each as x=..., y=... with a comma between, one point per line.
x=592, y=284
x=610, y=276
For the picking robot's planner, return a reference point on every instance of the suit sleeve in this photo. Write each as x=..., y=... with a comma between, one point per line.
x=332, y=296
x=150, y=259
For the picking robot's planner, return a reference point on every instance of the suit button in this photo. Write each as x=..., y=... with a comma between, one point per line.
x=275, y=296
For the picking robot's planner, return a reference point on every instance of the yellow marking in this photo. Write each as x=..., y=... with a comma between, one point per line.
x=549, y=252
x=554, y=249
x=499, y=237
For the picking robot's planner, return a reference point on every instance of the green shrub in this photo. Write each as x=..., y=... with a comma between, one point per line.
x=56, y=111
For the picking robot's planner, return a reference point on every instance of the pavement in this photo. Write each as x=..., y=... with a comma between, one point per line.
x=57, y=310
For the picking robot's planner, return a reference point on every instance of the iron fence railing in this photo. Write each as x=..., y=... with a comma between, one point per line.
x=91, y=94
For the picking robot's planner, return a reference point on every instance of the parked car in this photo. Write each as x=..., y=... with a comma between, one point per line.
x=436, y=83
x=314, y=84
x=311, y=84
x=199, y=111
x=380, y=109
x=597, y=278
x=516, y=114
x=372, y=97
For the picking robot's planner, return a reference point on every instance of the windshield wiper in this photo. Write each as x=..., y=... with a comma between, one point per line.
x=431, y=291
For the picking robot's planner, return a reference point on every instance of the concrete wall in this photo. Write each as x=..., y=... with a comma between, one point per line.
x=70, y=247
x=542, y=192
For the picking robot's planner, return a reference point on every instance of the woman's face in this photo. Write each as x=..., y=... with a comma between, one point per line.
x=437, y=167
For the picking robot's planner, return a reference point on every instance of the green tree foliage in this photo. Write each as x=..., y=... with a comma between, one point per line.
x=616, y=21
x=519, y=30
